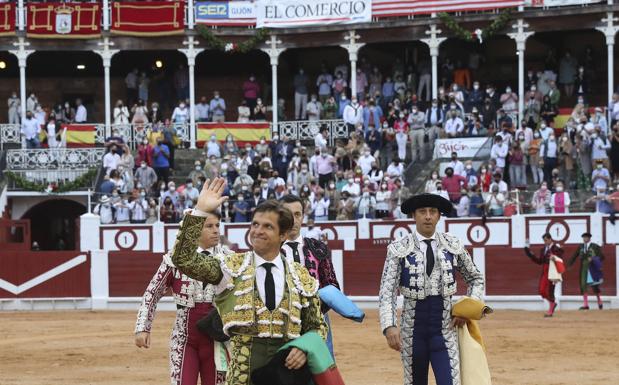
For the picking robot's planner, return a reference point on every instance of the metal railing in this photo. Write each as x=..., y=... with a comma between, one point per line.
x=307, y=130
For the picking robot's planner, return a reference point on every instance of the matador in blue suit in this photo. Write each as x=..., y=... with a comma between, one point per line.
x=421, y=266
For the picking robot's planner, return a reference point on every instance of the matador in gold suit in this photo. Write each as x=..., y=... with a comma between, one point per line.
x=256, y=332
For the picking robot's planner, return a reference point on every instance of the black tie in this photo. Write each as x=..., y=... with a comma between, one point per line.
x=295, y=251
x=429, y=257
x=269, y=287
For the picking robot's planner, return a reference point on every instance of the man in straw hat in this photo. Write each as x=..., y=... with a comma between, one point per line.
x=421, y=265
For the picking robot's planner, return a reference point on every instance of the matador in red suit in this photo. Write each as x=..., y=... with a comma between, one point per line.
x=546, y=287
x=192, y=353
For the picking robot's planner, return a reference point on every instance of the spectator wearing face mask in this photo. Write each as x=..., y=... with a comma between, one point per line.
x=560, y=200
x=470, y=174
x=549, y=152
x=462, y=208
x=375, y=176
x=600, y=177
x=535, y=160
x=144, y=153
x=171, y=193
x=190, y=192
x=244, y=112
x=138, y=208
x=495, y=202
x=454, y=126
x=213, y=148
x=353, y=115
x=168, y=212
x=457, y=165
x=517, y=167
x=325, y=167
x=365, y=161
x=485, y=178
x=352, y=188
x=111, y=160
x=366, y=205
x=180, y=115
x=430, y=186
x=313, y=109
x=146, y=176
x=509, y=101
x=104, y=210
x=476, y=203
x=161, y=163
x=320, y=207
x=599, y=147
x=251, y=91
x=383, y=196
x=453, y=184
x=240, y=209
x=441, y=191
x=541, y=199
x=217, y=107
x=499, y=152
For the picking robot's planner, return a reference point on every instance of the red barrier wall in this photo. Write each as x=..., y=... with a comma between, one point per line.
x=50, y=272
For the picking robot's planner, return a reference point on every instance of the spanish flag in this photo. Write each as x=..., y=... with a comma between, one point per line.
x=80, y=135
x=241, y=132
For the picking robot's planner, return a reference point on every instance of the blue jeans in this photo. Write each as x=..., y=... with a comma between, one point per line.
x=33, y=143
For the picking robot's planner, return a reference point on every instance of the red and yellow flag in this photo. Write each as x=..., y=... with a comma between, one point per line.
x=241, y=132
x=80, y=135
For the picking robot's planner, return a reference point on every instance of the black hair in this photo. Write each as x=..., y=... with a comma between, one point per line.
x=284, y=220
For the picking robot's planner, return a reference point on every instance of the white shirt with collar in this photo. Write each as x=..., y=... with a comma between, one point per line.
x=289, y=253
x=278, y=272
x=424, y=246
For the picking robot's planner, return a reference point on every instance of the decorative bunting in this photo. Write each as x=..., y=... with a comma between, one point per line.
x=64, y=20
x=7, y=19
x=152, y=18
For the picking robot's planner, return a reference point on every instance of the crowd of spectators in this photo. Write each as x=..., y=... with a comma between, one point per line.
x=392, y=121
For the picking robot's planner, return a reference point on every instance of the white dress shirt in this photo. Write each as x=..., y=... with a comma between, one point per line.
x=278, y=277
x=81, y=115
x=424, y=247
x=287, y=248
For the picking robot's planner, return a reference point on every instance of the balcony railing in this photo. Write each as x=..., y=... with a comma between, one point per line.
x=53, y=165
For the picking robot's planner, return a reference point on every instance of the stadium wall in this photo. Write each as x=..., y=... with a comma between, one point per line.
x=116, y=262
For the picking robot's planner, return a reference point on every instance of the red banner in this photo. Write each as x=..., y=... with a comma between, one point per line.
x=152, y=18
x=7, y=19
x=64, y=20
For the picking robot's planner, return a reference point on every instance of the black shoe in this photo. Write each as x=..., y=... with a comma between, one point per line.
x=583, y=308
x=547, y=315
x=600, y=306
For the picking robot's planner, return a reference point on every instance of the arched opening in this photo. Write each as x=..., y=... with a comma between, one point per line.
x=58, y=77
x=9, y=74
x=226, y=73
x=312, y=61
x=546, y=53
x=53, y=224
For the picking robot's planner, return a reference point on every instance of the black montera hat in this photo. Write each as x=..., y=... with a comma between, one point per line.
x=427, y=200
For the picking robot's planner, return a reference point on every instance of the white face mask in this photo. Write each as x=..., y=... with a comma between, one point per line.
x=189, y=185
x=143, y=165
x=559, y=189
x=198, y=168
x=172, y=188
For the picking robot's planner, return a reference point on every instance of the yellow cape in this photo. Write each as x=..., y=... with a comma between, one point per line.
x=473, y=363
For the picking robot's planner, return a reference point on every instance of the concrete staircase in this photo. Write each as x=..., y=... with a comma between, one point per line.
x=184, y=160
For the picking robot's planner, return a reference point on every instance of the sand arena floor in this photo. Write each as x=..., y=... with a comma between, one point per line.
x=65, y=348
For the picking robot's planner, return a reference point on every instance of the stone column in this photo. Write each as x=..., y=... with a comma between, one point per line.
x=22, y=57
x=191, y=52
x=106, y=54
x=353, y=47
x=434, y=42
x=274, y=53
x=520, y=36
x=610, y=30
